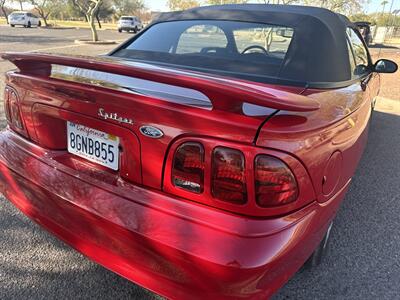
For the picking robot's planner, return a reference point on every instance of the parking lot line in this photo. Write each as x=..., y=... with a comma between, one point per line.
x=53, y=48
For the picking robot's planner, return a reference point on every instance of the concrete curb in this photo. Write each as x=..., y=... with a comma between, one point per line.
x=56, y=28
x=386, y=105
x=90, y=42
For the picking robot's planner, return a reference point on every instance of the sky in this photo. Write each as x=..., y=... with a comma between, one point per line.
x=157, y=5
x=371, y=7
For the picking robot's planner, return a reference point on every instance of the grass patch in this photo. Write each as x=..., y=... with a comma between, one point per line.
x=393, y=41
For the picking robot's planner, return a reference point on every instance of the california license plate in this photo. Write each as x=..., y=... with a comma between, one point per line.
x=93, y=145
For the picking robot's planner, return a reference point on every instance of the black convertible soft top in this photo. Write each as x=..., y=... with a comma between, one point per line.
x=318, y=54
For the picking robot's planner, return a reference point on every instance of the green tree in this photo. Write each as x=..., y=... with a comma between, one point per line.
x=3, y=9
x=340, y=6
x=384, y=3
x=105, y=11
x=70, y=12
x=182, y=4
x=379, y=19
x=128, y=7
x=45, y=8
x=89, y=8
x=361, y=17
x=386, y=19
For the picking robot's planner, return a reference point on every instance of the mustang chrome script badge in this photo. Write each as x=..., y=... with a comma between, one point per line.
x=151, y=131
x=114, y=116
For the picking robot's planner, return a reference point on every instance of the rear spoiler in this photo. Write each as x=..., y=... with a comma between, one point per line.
x=224, y=93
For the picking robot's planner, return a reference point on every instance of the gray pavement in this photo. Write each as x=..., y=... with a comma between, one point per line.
x=364, y=260
x=364, y=254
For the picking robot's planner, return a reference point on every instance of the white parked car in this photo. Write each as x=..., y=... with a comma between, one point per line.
x=23, y=18
x=129, y=23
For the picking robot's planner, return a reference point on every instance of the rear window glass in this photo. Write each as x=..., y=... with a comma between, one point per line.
x=218, y=46
x=274, y=39
x=200, y=38
x=126, y=19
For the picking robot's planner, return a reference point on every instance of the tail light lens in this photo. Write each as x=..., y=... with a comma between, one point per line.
x=238, y=178
x=228, y=175
x=7, y=104
x=275, y=183
x=188, y=167
x=16, y=115
x=13, y=112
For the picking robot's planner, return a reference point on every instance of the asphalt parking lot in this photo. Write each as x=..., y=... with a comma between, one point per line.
x=364, y=260
x=53, y=41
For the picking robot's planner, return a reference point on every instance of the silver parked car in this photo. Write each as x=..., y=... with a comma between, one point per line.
x=129, y=23
x=23, y=18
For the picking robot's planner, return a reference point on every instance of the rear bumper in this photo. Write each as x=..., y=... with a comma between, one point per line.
x=127, y=27
x=22, y=23
x=177, y=249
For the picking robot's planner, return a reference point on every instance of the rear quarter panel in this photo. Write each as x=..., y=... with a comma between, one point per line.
x=330, y=141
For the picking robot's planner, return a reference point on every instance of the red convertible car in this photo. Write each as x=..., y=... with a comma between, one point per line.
x=206, y=157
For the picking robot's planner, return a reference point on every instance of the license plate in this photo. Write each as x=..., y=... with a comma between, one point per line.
x=93, y=145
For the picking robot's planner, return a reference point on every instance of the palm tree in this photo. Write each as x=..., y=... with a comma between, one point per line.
x=384, y=4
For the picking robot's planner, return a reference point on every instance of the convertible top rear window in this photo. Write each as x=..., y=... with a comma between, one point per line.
x=290, y=45
x=215, y=45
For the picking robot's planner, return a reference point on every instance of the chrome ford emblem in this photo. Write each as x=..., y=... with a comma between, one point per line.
x=151, y=131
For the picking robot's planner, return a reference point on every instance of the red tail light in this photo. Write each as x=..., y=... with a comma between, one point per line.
x=228, y=175
x=13, y=112
x=274, y=182
x=188, y=167
x=238, y=178
x=16, y=119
